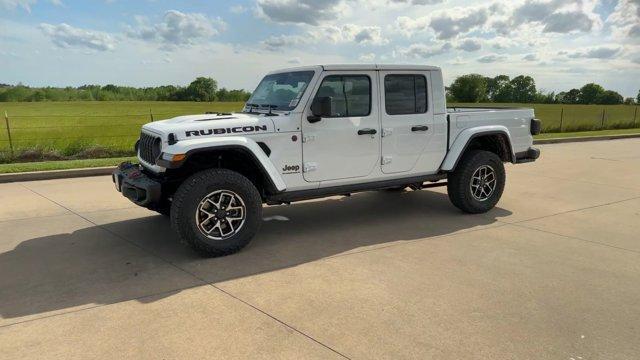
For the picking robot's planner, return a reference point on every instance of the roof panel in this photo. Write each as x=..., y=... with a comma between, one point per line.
x=364, y=67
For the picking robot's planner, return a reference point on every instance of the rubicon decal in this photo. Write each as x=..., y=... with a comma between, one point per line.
x=232, y=130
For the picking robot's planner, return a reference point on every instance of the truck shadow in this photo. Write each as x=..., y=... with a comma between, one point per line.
x=130, y=259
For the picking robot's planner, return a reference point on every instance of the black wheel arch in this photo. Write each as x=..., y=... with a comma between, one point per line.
x=232, y=157
x=497, y=142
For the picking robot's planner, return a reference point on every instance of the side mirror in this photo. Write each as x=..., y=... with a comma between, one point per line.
x=320, y=107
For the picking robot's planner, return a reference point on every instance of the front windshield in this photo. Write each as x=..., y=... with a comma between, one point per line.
x=280, y=91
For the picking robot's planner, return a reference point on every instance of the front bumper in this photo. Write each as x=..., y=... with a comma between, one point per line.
x=136, y=186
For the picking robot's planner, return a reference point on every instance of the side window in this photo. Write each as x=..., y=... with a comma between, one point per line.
x=405, y=94
x=350, y=94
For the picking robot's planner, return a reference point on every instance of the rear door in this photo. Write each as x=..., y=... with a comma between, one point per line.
x=406, y=118
x=347, y=143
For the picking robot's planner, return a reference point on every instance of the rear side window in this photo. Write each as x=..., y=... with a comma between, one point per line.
x=405, y=94
x=350, y=94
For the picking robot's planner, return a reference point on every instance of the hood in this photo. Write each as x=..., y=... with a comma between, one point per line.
x=225, y=124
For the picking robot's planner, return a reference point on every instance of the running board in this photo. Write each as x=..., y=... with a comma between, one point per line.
x=432, y=185
x=288, y=197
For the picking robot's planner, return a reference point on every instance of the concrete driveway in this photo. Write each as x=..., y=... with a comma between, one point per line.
x=552, y=273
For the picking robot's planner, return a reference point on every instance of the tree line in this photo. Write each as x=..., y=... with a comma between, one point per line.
x=475, y=88
x=201, y=89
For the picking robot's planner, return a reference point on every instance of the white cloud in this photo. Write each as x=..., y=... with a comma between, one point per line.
x=624, y=21
x=458, y=61
x=67, y=36
x=177, y=28
x=469, y=45
x=417, y=2
x=12, y=4
x=602, y=52
x=565, y=22
x=530, y=57
x=237, y=9
x=409, y=26
x=557, y=16
x=502, y=43
x=492, y=58
x=350, y=32
x=276, y=43
x=364, y=35
x=311, y=12
x=424, y=51
x=452, y=23
x=24, y=4
x=533, y=10
x=369, y=57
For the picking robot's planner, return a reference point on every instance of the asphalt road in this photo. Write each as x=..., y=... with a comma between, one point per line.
x=552, y=273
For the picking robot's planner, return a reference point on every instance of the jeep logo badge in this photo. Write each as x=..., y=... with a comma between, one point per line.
x=291, y=169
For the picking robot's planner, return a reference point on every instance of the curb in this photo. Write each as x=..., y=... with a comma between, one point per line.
x=56, y=174
x=101, y=171
x=585, y=138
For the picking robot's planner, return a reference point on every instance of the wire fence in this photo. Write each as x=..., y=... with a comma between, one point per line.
x=29, y=137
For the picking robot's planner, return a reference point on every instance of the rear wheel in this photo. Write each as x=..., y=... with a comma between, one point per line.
x=217, y=212
x=477, y=183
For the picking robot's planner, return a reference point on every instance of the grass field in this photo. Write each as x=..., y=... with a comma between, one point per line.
x=71, y=127
x=62, y=165
x=63, y=130
x=578, y=117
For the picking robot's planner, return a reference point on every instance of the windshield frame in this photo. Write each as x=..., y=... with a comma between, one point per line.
x=253, y=106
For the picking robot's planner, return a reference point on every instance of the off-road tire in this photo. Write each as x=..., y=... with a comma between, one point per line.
x=459, y=181
x=164, y=210
x=193, y=190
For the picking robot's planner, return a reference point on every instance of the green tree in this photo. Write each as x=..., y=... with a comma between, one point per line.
x=222, y=94
x=469, y=88
x=609, y=97
x=202, y=89
x=571, y=97
x=638, y=98
x=499, y=89
x=629, y=101
x=548, y=98
x=524, y=89
x=590, y=92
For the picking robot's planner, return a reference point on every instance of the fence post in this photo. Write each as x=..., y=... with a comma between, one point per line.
x=151, y=115
x=635, y=114
x=561, y=117
x=6, y=121
x=602, y=123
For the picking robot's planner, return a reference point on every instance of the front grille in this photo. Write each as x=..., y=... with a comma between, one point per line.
x=149, y=148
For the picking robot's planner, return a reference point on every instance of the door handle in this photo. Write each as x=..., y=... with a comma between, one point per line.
x=420, y=128
x=367, y=131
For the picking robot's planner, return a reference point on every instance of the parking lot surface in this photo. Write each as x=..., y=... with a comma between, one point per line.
x=552, y=273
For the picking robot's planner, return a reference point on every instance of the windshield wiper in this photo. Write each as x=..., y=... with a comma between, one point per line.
x=251, y=106
x=271, y=107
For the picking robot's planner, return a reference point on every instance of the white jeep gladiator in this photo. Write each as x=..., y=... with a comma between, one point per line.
x=319, y=131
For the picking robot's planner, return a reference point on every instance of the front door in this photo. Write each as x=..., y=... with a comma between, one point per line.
x=407, y=119
x=347, y=143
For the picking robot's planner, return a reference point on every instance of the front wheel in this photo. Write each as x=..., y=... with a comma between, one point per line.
x=477, y=183
x=216, y=212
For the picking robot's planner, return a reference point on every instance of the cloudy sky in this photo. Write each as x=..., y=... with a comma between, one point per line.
x=561, y=43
